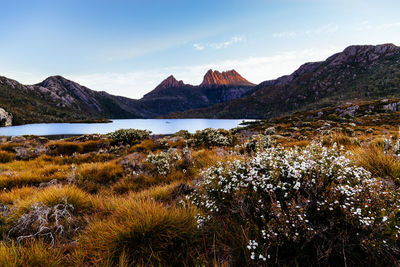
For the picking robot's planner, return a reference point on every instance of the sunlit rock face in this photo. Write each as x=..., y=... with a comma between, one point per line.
x=227, y=78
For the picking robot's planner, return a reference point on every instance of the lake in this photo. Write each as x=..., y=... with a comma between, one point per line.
x=157, y=126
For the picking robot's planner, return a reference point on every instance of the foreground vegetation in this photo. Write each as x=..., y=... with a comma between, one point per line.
x=323, y=192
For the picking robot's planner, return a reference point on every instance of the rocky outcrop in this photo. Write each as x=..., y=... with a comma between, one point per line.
x=226, y=78
x=363, y=54
x=5, y=118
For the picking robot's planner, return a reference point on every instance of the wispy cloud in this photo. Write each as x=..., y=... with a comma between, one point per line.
x=323, y=29
x=366, y=26
x=220, y=45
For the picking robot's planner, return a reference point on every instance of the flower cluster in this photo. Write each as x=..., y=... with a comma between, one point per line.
x=292, y=196
x=163, y=161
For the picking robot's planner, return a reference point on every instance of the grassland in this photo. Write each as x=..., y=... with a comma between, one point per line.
x=305, y=192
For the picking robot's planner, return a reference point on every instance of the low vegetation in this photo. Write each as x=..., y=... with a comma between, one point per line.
x=283, y=193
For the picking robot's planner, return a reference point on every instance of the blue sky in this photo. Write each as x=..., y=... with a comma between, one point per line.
x=128, y=47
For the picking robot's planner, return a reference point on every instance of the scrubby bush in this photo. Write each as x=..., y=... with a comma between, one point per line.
x=258, y=143
x=47, y=222
x=270, y=131
x=312, y=206
x=128, y=136
x=212, y=137
x=163, y=161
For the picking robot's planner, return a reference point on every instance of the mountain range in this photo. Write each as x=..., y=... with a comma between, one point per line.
x=357, y=73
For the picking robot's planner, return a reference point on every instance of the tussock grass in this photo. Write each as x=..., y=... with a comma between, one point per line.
x=142, y=233
x=340, y=139
x=32, y=253
x=17, y=194
x=379, y=162
x=20, y=173
x=69, y=148
x=147, y=145
x=53, y=195
x=78, y=158
x=91, y=176
x=6, y=156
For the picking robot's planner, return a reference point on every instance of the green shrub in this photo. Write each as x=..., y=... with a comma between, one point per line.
x=128, y=136
x=333, y=117
x=213, y=137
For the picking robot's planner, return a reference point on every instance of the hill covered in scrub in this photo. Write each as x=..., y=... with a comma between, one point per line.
x=313, y=188
x=57, y=99
x=357, y=73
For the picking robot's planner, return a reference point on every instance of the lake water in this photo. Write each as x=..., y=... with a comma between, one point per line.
x=157, y=126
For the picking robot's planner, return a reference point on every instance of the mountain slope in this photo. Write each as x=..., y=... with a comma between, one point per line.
x=57, y=99
x=357, y=73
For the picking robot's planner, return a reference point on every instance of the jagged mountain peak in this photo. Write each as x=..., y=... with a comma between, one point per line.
x=170, y=82
x=227, y=78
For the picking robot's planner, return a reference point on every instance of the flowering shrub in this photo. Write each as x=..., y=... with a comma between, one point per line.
x=128, y=136
x=310, y=205
x=258, y=143
x=163, y=161
x=212, y=137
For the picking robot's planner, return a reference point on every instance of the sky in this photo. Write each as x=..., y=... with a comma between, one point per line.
x=128, y=47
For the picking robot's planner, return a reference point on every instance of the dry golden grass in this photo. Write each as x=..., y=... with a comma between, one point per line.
x=9, y=146
x=340, y=139
x=91, y=176
x=53, y=195
x=17, y=194
x=32, y=253
x=20, y=173
x=301, y=143
x=6, y=156
x=379, y=162
x=143, y=233
x=147, y=145
x=69, y=148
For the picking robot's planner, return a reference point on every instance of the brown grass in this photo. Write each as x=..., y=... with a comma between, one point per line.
x=378, y=161
x=143, y=233
x=6, y=156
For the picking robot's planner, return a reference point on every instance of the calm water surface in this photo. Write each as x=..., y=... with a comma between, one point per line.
x=157, y=126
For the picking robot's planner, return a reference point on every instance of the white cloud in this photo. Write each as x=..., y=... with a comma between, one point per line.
x=198, y=47
x=323, y=29
x=221, y=45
